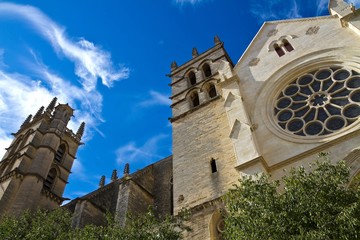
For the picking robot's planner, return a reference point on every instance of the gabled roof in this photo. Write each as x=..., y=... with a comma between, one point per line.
x=269, y=28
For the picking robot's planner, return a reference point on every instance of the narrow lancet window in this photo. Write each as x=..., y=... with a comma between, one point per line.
x=195, y=100
x=207, y=70
x=49, y=181
x=212, y=91
x=60, y=153
x=213, y=165
x=280, y=52
x=192, y=78
x=287, y=45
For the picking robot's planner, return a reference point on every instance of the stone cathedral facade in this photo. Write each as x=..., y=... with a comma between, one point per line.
x=295, y=92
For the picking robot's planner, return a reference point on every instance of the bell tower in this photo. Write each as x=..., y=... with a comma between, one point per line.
x=204, y=159
x=36, y=166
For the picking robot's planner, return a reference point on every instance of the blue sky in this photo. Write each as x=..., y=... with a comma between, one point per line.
x=108, y=60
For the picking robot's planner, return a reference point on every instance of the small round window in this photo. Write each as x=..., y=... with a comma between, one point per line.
x=319, y=102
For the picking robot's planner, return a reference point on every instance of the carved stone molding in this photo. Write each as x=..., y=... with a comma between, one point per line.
x=312, y=30
x=272, y=32
x=254, y=62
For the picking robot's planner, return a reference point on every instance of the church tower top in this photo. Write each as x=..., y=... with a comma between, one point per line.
x=36, y=166
x=340, y=8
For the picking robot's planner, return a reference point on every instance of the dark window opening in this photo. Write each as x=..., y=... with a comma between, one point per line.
x=16, y=145
x=60, y=153
x=213, y=166
x=192, y=78
x=195, y=100
x=212, y=91
x=171, y=197
x=279, y=50
x=49, y=181
x=287, y=45
x=207, y=70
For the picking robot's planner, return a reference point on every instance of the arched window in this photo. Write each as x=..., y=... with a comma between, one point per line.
x=16, y=145
x=216, y=226
x=287, y=45
x=279, y=50
x=7, y=167
x=60, y=153
x=207, y=70
x=192, y=78
x=25, y=139
x=212, y=91
x=195, y=101
x=50, y=179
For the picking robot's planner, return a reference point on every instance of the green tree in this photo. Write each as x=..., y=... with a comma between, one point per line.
x=315, y=204
x=39, y=225
x=56, y=224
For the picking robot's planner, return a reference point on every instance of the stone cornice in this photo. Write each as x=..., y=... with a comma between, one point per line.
x=320, y=148
x=208, y=79
x=52, y=196
x=201, y=56
x=194, y=109
x=205, y=205
x=14, y=173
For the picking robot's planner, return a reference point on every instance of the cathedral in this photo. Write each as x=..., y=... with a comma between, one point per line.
x=294, y=92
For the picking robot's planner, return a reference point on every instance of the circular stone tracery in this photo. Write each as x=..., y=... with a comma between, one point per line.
x=319, y=103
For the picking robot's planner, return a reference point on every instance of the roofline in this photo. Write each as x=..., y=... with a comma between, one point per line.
x=197, y=58
x=277, y=22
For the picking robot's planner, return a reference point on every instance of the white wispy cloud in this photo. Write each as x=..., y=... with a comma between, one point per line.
x=355, y=2
x=146, y=153
x=322, y=6
x=275, y=9
x=23, y=93
x=156, y=98
x=78, y=171
x=294, y=11
x=192, y=2
x=91, y=62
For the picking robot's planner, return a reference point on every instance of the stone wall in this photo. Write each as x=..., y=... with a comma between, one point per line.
x=198, y=138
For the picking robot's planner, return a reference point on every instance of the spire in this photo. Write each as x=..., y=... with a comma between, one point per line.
x=173, y=65
x=52, y=104
x=102, y=181
x=114, y=175
x=217, y=40
x=80, y=131
x=27, y=120
x=39, y=112
x=195, y=53
x=127, y=169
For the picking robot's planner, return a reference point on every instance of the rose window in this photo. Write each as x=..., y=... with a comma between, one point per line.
x=319, y=103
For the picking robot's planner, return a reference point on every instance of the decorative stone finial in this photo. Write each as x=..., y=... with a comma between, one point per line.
x=102, y=181
x=127, y=169
x=39, y=112
x=174, y=65
x=195, y=53
x=114, y=175
x=352, y=7
x=217, y=40
x=52, y=104
x=80, y=131
x=27, y=120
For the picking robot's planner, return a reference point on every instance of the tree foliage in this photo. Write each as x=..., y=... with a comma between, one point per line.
x=56, y=224
x=315, y=204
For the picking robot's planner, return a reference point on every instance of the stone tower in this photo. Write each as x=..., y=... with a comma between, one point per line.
x=294, y=92
x=203, y=153
x=36, y=166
